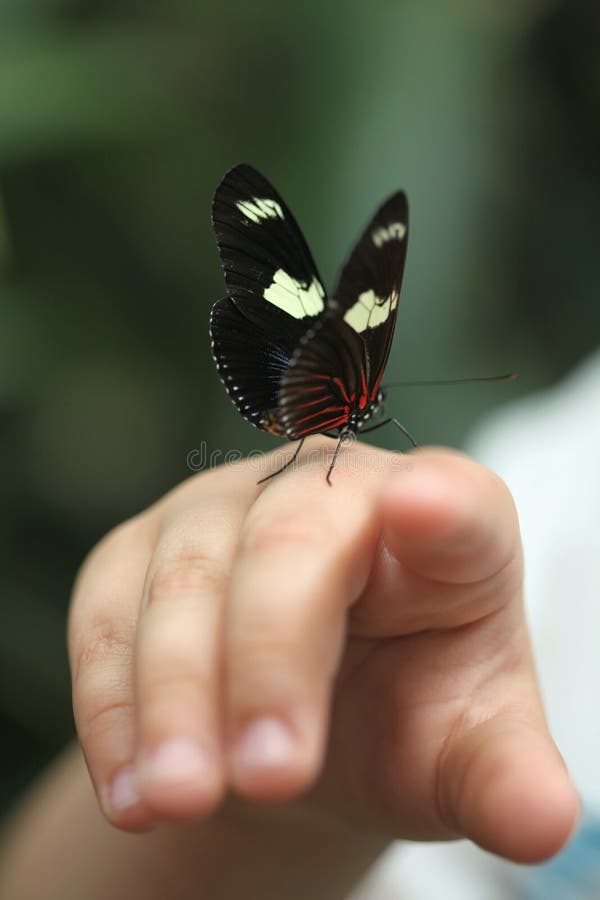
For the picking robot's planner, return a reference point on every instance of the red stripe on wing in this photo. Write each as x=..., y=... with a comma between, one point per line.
x=343, y=390
x=376, y=387
x=319, y=400
x=327, y=409
x=322, y=427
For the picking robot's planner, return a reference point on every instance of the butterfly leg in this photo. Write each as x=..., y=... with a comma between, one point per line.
x=341, y=440
x=393, y=422
x=291, y=460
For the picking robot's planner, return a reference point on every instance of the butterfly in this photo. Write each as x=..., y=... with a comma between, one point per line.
x=295, y=360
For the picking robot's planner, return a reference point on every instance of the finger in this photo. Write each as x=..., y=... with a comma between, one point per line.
x=179, y=655
x=467, y=701
x=450, y=551
x=504, y=785
x=303, y=558
x=101, y=631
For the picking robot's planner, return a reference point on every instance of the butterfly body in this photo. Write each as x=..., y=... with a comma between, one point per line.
x=294, y=360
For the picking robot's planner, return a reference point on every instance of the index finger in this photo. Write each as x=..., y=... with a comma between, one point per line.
x=304, y=556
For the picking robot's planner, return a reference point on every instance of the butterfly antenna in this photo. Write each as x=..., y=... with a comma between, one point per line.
x=508, y=376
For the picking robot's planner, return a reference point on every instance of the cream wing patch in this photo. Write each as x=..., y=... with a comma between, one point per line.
x=369, y=311
x=259, y=208
x=294, y=297
x=395, y=231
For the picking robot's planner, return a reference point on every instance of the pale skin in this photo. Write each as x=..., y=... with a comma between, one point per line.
x=373, y=636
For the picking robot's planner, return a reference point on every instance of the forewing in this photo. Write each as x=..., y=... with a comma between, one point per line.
x=264, y=256
x=369, y=286
x=325, y=378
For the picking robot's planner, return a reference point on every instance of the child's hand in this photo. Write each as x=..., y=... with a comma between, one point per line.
x=368, y=639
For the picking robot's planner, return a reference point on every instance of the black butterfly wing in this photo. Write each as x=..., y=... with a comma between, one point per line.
x=368, y=290
x=265, y=259
x=251, y=359
x=275, y=292
x=337, y=368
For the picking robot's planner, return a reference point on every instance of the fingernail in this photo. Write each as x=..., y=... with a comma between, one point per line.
x=264, y=744
x=176, y=760
x=123, y=792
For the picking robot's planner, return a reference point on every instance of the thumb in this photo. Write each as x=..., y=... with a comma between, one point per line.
x=504, y=785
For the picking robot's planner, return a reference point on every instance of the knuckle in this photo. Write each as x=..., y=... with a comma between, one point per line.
x=502, y=585
x=466, y=604
x=101, y=715
x=292, y=530
x=106, y=641
x=189, y=571
x=177, y=681
x=262, y=658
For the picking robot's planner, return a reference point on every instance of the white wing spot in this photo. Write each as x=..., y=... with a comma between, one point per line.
x=294, y=297
x=395, y=231
x=369, y=311
x=260, y=208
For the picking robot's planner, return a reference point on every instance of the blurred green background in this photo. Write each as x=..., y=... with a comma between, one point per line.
x=117, y=120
